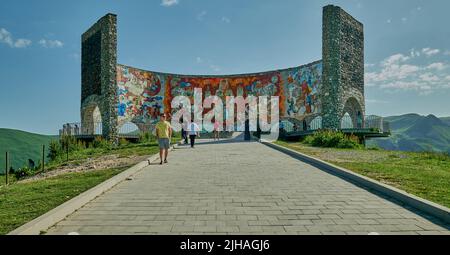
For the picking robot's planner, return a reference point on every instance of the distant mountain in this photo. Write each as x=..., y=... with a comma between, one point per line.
x=412, y=132
x=21, y=147
x=446, y=120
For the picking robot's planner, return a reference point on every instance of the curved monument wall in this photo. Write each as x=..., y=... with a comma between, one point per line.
x=142, y=95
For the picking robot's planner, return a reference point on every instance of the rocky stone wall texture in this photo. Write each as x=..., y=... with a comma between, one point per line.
x=343, y=65
x=98, y=71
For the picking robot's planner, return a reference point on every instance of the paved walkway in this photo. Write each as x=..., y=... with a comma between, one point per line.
x=241, y=188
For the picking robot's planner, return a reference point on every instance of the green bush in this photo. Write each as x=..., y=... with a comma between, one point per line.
x=146, y=137
x=54, y=149
x=99, y=142
x=332, y=139
x=23, y=172
x=123, y=142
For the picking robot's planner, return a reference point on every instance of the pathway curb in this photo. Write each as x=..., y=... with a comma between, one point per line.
x=57, y=214
x=438, y=211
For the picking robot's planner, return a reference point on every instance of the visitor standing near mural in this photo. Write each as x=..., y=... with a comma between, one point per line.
x=216, y=130
x=194, y=132
x=163, y=134
x=184, y=130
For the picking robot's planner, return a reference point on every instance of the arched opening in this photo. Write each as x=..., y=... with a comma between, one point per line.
x=346, y=121
x=129, y=129
x=315, y=124
x=91, y=122
x=352, y=114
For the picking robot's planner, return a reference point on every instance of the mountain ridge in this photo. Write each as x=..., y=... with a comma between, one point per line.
x=414, y=132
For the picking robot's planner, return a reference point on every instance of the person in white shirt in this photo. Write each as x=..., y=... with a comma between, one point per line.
x=193, y=131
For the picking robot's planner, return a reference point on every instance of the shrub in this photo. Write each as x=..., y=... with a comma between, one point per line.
x=99, y=142
x=146, y=137
x=123, y=142
x=23, y=172
x=54, y=149
x=332, y=139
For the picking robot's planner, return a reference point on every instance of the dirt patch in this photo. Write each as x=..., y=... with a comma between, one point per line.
x=88, y=165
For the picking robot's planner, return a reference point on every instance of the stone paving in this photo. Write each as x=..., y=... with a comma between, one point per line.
x=236, y=187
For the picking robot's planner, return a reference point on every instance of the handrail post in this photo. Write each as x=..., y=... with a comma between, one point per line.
x=6, y=170
x=43, y=158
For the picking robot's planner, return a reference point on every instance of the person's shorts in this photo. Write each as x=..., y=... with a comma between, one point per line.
x=164, y=143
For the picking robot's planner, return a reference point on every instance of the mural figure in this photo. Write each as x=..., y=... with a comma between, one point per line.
x=140, y=95
x=303, y=87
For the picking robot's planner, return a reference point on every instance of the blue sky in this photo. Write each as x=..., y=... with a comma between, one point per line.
x=407, y=48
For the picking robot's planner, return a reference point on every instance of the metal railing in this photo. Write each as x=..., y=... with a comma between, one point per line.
x=96, y=128
x=370, y=122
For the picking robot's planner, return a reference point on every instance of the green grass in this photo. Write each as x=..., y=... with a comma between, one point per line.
x=22, y=202
x=77, y=157
x=22, y=146
x=426, y=175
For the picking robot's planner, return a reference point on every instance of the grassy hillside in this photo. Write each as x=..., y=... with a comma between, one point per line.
x=21, y=146
x=413, y=132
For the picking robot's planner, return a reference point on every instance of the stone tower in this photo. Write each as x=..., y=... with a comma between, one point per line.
x=343, y=68
x=98, y=77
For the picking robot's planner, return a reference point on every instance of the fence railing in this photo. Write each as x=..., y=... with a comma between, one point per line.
x=370, y=122
x=96, y=128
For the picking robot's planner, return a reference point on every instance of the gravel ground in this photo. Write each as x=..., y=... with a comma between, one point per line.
x=100, y=163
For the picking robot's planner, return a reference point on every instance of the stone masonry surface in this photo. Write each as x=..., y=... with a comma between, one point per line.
x=220, y=188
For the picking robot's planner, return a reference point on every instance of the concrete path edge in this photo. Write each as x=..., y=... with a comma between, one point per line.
x=438, y=211
x=57, y=214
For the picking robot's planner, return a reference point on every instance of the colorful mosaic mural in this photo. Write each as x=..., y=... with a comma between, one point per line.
x=142, y=95
x=302, y=93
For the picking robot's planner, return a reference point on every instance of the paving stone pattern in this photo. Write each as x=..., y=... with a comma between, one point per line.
x=242, y=188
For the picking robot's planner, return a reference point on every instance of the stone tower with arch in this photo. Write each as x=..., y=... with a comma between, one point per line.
x=98, y=78
x=343, y=68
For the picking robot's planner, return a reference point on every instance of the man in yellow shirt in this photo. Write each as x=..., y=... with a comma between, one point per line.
x=164, y=135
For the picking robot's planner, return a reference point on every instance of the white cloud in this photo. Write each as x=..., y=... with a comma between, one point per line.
x=368, y=65
x=397, y=73
x=400, y=85
x=7, y=38
x=447, y=53
x=201, y=15
x=430, y=52
x=22, y=43
x=392, y=69
x=404, y=19
x=389, y=21
x=226, y=20
x=199, y=60
x=168, y=3
x=375, y=101
x=51, y=43
x=214, y=68
x=397, y=58
x=429, y=77
x=414, y=53
x=437, y=66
